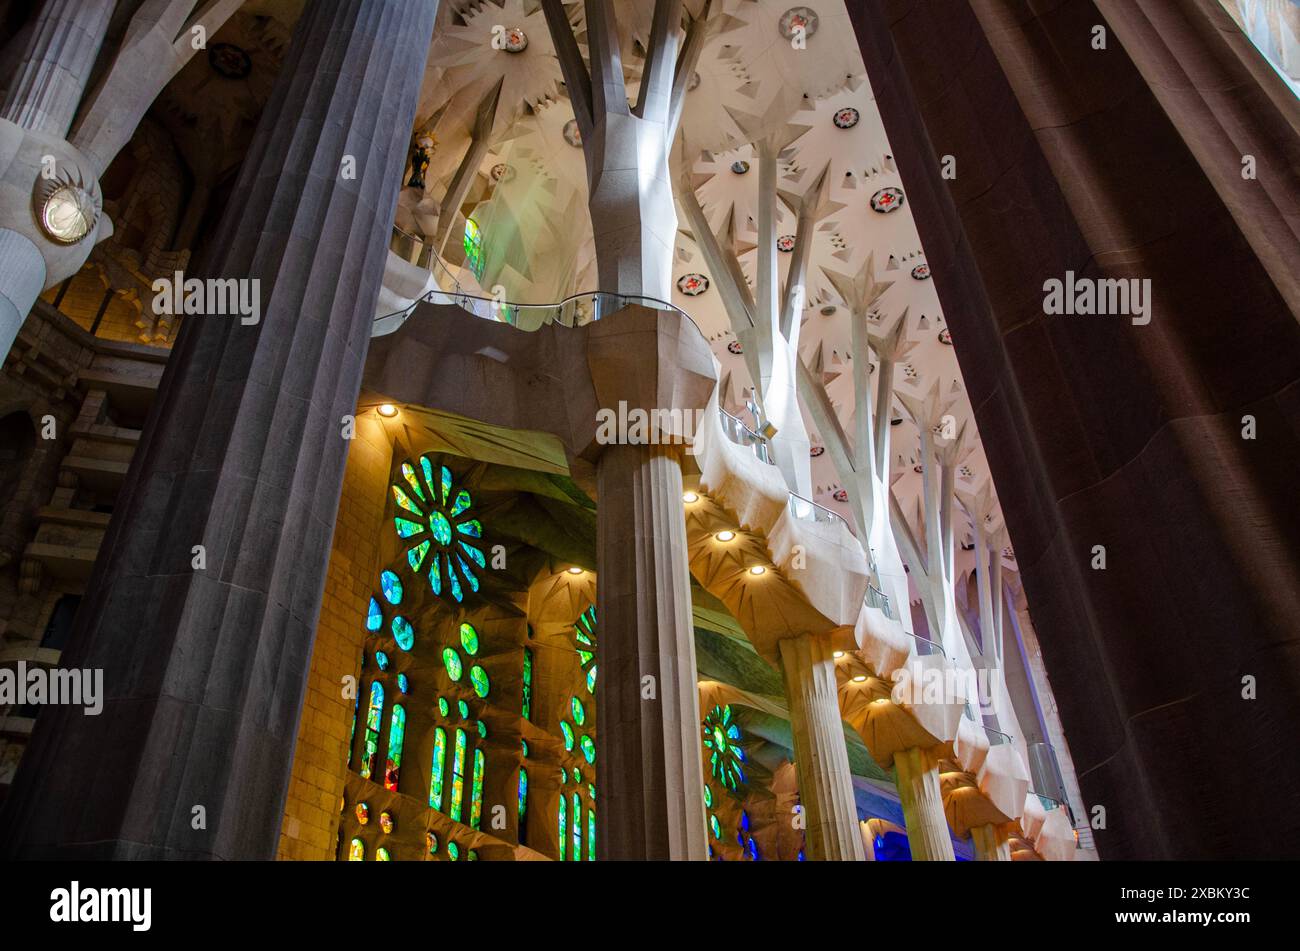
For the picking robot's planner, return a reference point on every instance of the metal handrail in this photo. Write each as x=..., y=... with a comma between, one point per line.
x=742, y=435
x=819, y=513
x=878, y=599
x=925, y=647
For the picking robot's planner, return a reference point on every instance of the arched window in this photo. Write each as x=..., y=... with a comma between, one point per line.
x=577, y=828
x=396, y=734
x=436, y=771
x=527, y=708
x=374, y=714
x=564, y=834
x=457, y=777
x=474, y=247
x=523, y=804
x=476, y=791
x=357, y=851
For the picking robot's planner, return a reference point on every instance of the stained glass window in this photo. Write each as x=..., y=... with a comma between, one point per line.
x=469, y=639
x=403, y=633
x=436, y=771
x=462, y=708
x=374, y=616
x=482, y=730
x=458, y=777
x=452, y=661
x=431, y=843
x=568, y=734
x=383, y=855
x=374, y=714
x=564, y=832
x=357, y=851
x=476, y=791
x=528, y=684
x=381, y=660
x=591, y=834
x=396, y=734
x=722, y=741
x=443, y=707
x=579, y=711
x=453, y=851
x=588, y=748
x=391, y=585
x=474, y=247
x=444, y=538
x=403, y=683
x=479, y=678
x=523, y=802
x=584, y=632
x=577, y=828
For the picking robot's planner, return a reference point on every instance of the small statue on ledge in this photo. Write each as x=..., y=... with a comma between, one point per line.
x=420, y=160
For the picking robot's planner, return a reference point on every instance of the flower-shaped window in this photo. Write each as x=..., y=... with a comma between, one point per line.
x=722, y=740
x=436, y=518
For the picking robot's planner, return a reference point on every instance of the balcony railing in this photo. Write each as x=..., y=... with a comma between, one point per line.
x=878, y=599
x=742, y=435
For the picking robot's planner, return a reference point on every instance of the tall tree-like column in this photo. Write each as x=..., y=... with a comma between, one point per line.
x=205, y=651
x=633, y=217
x=480, y=139
x=44, y=94
x=825, y=783
x=922, y=800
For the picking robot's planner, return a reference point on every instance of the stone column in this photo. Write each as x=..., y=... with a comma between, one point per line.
x=918, y=788
x=47, y=88
x=22, y=277
x=991, y=844
x=205, y=668
x=825, y=786
x=648, y=763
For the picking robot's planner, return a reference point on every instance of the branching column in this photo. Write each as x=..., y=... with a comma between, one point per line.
x=991, y=844
x=919, y=791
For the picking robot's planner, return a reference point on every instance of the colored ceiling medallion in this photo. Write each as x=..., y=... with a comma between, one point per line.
x=229, y=61
x=584, y=633
x=840, y=495
x=501, y=172
x=722, y=741
x=513, y=40
x=740, y=166
x=386, y=822
x=816, y=451
x=921, y=272
x=363, y=813
x=846, y=118
x=692, y=285
x=735, y=347
x=945, y=336
x=887, y=199
x=436, y=520
x=571, y=133
x=785, y=243
x=799, y=19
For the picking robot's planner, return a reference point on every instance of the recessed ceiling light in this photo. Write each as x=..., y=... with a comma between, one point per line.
x=757, y=570
x=387, y=409
x=725, y=536
x=860, y=678
x=575, y=570
x=690, y=497
x=838, y=654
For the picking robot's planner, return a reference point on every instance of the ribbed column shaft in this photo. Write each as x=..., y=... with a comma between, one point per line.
x=918, y=789
x=648, y=764
x=990, y=844
x=22, y=275
x=204, y=670
x=50, y=80
x=822, y=760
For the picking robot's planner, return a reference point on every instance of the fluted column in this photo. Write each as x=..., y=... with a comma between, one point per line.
x=918, y=789
x=825, y=784
x=990, y=843
x=205, y=665
x=648, y=746
x=55, y=68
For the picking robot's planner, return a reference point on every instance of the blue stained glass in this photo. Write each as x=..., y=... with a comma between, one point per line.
x=479, y=678
x=475, y=555
x=403, y=633
x=374, y=616
x=446, y=484
x=463, y=502
x=403, y=683
x=473, y=528
x=564, y=838
x=441, y=528
x=408, y=473
x=588, y=748
x=469, y=575
x=455, y=584
x=523, y=801
x=435, y=576
x=407, y=528
x=404, y=501
x=427, y=467
x=381, y=660
x=417, y=554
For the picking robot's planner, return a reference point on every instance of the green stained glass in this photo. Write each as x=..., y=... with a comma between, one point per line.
x=374, y=616
x=482, y=730
x=471, y=856
x=383, y=855
x=588, y=748
x=431, y=842
x=473, y=243
x=436, y=772
x=452, y=662
x=443, y=707
x=585, y=657
x=579, y=711
x=527, y=708
x=591, y=791
x=591, y=834
x=406, y=528
x=404, y=501
x=396, y=736
x=591, y=679
x=403, y=633
x=427, y=468
x=455, y=583
x=457, y=777
x=476, y=791
x=462, y=503
x=479, y=678
x=523, y=801
x=469, y=639
x=453, y=851
x=475, y=555
x=462, y=708
x=357, y=851
x=465, y=570
x=474, y=529
x=708, y=796
x=446, y=485
x=374, y=714
x=715, y=826
x=441, y=528
x=722, y=743
x=523, y=748
x=408, y=473
x=415, y=557
x=563, y=828
x=577, y=828
x=568, y=734
x=391, y=585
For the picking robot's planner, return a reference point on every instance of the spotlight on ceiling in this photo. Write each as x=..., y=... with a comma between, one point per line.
x=757, y=570
x=837, y=654
x=725, y=536
x=689, y=497
x=860, y=678
x=387, y=410
x=575, y=570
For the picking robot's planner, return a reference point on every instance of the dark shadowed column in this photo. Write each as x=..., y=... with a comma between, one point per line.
x=204, y=670
x=1119, y=163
